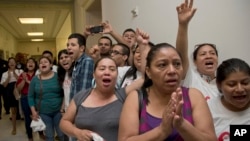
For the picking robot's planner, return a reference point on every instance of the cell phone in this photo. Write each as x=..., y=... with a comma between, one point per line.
x=96, y=29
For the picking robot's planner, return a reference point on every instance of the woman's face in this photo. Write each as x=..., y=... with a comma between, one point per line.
x=165, y=69
x=236, y=91
x=105, y=74
x=207, y=60
x=30, y=65
x=137, y=58
x=45, y=65
x=12, y=64
x=65, y=61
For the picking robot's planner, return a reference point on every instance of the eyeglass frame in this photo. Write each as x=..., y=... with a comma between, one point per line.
x=115, y=52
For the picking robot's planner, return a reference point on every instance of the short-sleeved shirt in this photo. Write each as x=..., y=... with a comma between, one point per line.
x=12, y=77
x=194, y=80
x=223, y=117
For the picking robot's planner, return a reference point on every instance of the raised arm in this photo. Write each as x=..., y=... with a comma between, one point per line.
x=143, y=41
x=185, y=13
x=118, y=37
x=109, y=30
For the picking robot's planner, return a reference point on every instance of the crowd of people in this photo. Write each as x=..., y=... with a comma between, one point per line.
x=134, y=89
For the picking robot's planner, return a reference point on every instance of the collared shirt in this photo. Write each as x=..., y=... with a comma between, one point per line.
x=82, y=75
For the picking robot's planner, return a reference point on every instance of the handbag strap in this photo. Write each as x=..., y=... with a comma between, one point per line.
x=40, y=95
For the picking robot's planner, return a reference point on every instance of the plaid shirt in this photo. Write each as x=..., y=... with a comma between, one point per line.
x=82, y=75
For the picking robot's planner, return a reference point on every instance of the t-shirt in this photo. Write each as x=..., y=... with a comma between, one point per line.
x=223, y=117
x=12, y=77
x=66, y=89
x=194, y=80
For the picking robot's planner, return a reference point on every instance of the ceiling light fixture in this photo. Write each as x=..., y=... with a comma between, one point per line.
x=35, y=33
x=37, y=40
x=31, y=20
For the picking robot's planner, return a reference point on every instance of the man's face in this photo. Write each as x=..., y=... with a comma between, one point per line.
x=74, y=49
x=105, y=47
x=118, y=56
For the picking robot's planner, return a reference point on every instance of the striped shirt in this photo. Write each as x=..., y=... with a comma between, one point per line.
x=52, y=94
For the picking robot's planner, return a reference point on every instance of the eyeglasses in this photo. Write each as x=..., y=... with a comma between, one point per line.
x=115, y=52
x=203, y=44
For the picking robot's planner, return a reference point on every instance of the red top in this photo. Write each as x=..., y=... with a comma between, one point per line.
x=25, y=89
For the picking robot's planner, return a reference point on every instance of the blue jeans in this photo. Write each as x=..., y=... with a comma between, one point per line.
x=52, y=121
x=27, y=113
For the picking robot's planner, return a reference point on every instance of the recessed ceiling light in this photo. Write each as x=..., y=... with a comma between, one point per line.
x=37, y=40
x=31, y=20
x=35, y=33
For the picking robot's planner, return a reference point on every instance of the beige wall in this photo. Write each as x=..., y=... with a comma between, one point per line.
x=36, y=48
x=61, y=39
x=7, y=44
x=227, y=27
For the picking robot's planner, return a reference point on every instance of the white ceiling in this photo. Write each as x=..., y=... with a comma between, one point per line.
x=54, y=13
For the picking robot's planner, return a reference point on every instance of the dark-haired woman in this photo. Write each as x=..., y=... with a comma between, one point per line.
x=205, y=56
x=168, y=111
x=97, y=110
x=233, y=106
x=8, y=80
x=137, y=70
x=64, y=70
x=23, y=86
x=45, y=99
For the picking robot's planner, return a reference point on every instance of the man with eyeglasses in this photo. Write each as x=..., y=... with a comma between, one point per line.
x=120, y=53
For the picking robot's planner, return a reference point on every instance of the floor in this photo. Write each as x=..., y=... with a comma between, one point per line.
x=6, y=128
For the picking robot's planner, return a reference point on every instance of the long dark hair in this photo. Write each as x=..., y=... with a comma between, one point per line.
x=132, y=70
x=230, y=66
x=36, y=65
x=150, y=57
x=61, y=72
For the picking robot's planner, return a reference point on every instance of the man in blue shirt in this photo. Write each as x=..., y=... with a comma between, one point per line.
x=84, y=65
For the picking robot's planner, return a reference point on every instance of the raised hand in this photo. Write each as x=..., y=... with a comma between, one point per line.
x=142, y=37
x=185, y=11
x=107, y=28
x=87, y=32
x=94, y=52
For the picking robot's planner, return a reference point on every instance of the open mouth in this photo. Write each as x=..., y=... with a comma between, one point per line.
x=30, y=66
x=106, y=81
x=43, y=67
x=70, y=53
x=172, y=82
x=209, y=63
x=241, y=97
